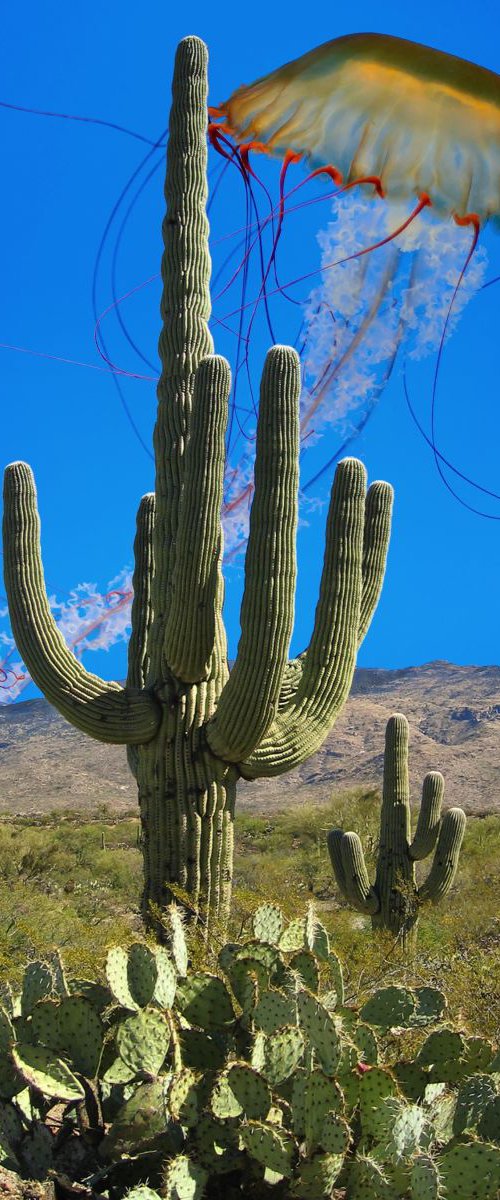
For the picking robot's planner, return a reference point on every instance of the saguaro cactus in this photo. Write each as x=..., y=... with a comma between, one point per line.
x=191, y=728
x=393, y=902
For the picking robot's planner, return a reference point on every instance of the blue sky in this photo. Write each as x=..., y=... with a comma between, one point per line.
x=61, y=180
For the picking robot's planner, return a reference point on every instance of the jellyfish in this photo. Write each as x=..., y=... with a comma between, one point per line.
x=407, y=139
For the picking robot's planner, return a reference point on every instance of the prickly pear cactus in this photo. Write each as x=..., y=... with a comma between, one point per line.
x=246, y=1078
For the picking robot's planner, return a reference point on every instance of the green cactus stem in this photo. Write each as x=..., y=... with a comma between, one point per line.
x=394, y=900
x=190, y=727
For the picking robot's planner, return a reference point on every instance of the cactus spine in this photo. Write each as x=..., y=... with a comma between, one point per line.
x=191, y=728
x=394, y=899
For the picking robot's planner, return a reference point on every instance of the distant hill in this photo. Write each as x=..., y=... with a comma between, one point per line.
x=454, y=716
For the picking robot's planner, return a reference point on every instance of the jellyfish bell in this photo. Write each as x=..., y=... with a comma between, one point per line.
x=408, y=139
x=370, y=105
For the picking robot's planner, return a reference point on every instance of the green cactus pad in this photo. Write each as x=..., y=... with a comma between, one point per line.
x=204, y=1000
x=117, y=976
x=411, y=1079
x=269, y=1146
x=36, y=1151
x=143, y=1041
x=304, y=964
x=177, y=939
x=424, y=1179
x=335, y=1135
x=478, y=1055
x=61, y=986
x=11, y=1125
x=247, y=977
x=442, y=1046
x=293, y=937
x=251, y=1090
x=316, y=936
x=337, y=978
x=184, y=1179
x=136, y=1125
x=366, y=1042
x=471, y=1171
x=182, y=1097
x=375, y=1086
x=441, y=1110
x=81, y=1034
x=45, y=1025
x=118, y=1072
x=241, y=1090
x=11, y=1082
x=389, y=1007
x=273, y=1010
x=474, y=1095
x=142, y=1192
x=410, y=1131
x=98, y=995
x=267, y=923
x=141, y=973
x=317, y=1176
x=489, y=1125
x=42, y=1070
x=7, y=1036
x=368, y=1181
x=38, y=982
x=281, y=1054
x=321, y=1095
x=320, y=1030
x=268, y=956
x=430, y=1006
x=217, y=1145
x=166, y=977
x=203, y=1051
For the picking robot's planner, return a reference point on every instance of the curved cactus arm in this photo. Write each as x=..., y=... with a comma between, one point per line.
x=445, y=862
x=101, y=709
x=195, y=599
x=141, y=613
x=348, y=862
x=378, y=514
x=429, y=818
x=249, y=699
x=377, y=532
x=185, y=338
x=328, y=667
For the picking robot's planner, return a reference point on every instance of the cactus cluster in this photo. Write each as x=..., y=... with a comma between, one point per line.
x=394, y=900
x=254, y=1078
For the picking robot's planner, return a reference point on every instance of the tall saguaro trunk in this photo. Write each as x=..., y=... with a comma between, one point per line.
x=191, y=728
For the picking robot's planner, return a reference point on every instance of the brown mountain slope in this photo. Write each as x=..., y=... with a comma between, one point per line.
x=454, y=716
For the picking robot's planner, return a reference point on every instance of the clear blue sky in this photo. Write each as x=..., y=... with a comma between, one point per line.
x=61, y=180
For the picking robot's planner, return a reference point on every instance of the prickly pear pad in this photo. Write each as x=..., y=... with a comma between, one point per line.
x=320, y=1031
x=143, y=1041
x=205, y=1001
x=269, y=1146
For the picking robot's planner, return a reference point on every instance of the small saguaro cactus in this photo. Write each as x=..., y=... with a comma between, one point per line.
x=191, y=728
x=393, y=902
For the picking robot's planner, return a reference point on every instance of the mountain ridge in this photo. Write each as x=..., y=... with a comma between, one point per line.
x=453, y=712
